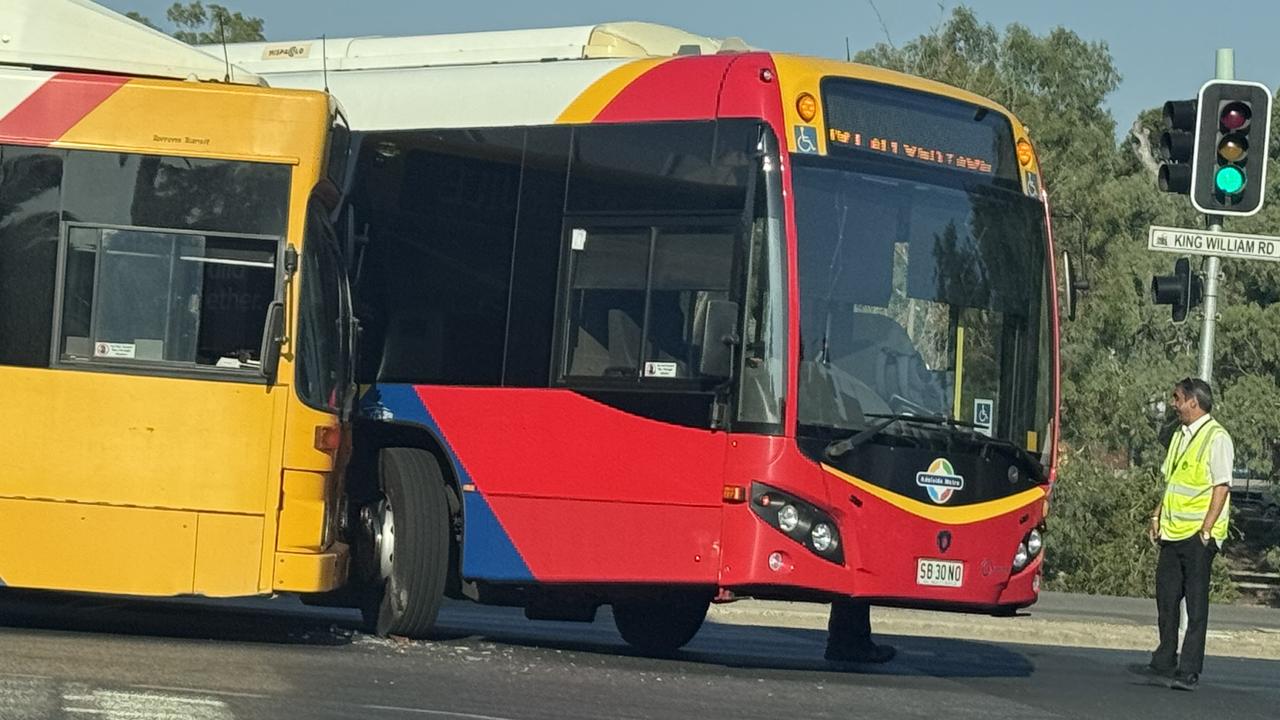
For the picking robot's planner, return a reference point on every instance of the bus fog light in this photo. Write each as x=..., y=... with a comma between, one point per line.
x=1020, y=557
x=1034, y=543
x=777, y=561
x=788, y=518
x=822, y=537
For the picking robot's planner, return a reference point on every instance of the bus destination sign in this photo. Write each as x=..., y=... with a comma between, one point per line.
x=914, y=152
x=917, y=127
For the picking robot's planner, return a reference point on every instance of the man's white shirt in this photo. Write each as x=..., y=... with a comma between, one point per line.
x=1222, y=452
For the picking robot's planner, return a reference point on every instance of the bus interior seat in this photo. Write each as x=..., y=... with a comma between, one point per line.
x=879, y=352
x=590, y=358
x=822, y=402
x=701, y=305
x=624, y=340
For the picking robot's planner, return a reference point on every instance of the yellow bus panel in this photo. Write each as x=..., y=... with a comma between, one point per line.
x=115, y=439
x=228, y=555
x=94, y=548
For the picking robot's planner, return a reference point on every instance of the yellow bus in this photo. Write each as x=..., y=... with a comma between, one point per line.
x=173, y=319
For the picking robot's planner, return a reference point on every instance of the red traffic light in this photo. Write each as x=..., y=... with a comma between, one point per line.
x=1235, y=116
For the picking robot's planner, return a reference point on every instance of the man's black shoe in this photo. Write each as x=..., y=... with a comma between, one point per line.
x=1185, y=681
x=1150, y=671
x=869, y=653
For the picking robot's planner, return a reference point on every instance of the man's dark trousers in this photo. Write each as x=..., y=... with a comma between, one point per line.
x=1183, y=571
x=849, y=625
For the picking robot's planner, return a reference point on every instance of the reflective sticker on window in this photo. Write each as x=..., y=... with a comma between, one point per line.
x=660, y=369
x=115, y=350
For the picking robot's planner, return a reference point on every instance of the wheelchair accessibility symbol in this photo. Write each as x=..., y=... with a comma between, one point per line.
x=983, y=409
x=806, y=138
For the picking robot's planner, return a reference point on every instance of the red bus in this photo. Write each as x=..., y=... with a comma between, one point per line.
x=653, y=320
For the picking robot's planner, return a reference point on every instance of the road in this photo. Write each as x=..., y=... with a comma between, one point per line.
x=85, y=657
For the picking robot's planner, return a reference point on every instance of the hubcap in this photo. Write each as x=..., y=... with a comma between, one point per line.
x=380, y=526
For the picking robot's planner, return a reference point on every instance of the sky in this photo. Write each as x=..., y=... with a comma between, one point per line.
x=1164, y=50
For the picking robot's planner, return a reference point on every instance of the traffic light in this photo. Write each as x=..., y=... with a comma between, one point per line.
x=1177, y=144
x=1181, y=289
x=1229, y=167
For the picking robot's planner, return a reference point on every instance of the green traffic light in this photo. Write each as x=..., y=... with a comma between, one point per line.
x=1229, y=180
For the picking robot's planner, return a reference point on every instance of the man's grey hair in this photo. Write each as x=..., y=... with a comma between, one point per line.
x=1198, y=389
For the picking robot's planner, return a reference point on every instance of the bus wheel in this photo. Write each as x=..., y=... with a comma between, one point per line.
x=410, y=530
x=661, y=624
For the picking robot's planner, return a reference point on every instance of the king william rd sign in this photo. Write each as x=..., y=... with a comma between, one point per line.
x=1203, y=242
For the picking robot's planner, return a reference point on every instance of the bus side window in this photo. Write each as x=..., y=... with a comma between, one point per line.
x=141, y=296
x=30, y=199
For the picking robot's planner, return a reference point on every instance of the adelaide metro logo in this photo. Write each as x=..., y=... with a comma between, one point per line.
x=940, y=480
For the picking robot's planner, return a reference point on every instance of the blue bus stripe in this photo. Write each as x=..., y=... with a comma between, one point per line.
x=487, y=549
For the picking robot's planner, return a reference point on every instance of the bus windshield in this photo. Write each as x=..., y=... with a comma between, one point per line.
x=921, y=293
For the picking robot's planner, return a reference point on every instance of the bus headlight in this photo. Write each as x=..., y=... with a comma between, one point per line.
x=1034, y=542
x=800, y=521
x=1020, y=557
x=822, y=537
x=788, y=518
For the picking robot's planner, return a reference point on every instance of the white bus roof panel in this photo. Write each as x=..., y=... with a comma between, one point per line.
x=82, y=35
x=460, y=96
x=621, y=39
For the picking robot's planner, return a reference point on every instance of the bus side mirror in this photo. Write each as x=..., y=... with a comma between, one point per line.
x=272, y=340
x=1073, y=286
x=719, y=337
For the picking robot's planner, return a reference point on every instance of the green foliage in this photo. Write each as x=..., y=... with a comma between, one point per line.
x=138, y=17
x=197, y=24
x=1271, y=560
x=1097, y=541
x=1122, y=356
x=1096, y=538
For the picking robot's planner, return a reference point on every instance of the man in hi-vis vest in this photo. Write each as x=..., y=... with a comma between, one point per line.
x=1190, y=525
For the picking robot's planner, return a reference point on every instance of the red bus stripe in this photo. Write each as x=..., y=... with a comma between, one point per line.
x=56, y=106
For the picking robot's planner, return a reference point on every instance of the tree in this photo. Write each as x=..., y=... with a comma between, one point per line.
x=197, y=24
x=139, y=17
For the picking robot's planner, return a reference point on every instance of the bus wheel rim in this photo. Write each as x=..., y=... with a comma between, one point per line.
x=386, y=538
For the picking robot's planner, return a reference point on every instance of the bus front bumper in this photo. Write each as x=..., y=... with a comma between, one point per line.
x=312, y=572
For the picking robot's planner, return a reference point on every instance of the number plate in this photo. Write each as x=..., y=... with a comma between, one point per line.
x=943, y=573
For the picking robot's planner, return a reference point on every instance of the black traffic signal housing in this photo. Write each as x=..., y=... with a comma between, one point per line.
x=1229, y=166
x=1181, y=290
x=1177, y=145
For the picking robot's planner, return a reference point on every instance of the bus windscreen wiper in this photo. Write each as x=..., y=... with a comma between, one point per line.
x=1018, y=451
x=841, y=447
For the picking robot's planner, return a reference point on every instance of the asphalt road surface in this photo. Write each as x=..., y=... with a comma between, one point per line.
x=88, y=658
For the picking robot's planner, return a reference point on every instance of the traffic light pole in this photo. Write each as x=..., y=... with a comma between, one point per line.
x=1225, y=70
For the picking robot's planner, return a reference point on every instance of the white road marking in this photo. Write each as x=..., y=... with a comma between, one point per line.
x=124, y=705
x=437, y=713
x=202, y=691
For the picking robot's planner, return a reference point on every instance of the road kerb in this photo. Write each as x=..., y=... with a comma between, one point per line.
x=1031, y=630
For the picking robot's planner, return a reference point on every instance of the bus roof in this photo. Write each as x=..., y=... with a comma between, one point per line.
x=608, y=40
x=82, y=35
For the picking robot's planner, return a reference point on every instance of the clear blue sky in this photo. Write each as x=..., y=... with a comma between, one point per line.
x=1164, y=50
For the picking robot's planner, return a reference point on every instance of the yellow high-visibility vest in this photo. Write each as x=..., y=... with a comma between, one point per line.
x=1190, y=487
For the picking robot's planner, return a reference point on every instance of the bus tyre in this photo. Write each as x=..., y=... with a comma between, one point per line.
x=414, y=495
x=661, y=625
